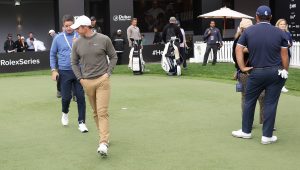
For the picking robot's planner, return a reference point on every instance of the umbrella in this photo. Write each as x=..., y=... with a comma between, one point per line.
x=225, y=13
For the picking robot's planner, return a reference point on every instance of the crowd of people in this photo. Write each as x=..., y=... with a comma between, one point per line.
x=22, y=44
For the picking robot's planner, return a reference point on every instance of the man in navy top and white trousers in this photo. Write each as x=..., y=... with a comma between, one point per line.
x=268, y=58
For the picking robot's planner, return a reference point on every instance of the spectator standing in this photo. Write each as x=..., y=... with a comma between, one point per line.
x=95, y=27
x=30, y=41
x=119, y=42
x=157, y=37
x=183, y=47
x=213, y=39
x=9, y=45
x=21, y=45
x=133, y=32
x=241, y=76
x=282, y=24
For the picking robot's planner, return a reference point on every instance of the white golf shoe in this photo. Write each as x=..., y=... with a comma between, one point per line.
x=103, y=149
x=82, y=128
x=284, y=89
x=241, y=134
x=268, y=140
x=64, y=119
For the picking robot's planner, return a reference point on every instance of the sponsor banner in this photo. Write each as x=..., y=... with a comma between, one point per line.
x=19, y=62
x=151, y=53
x=117, y=18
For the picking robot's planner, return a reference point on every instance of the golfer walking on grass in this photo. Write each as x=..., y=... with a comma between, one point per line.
x=268, y=58
x=61, y=49
x=92, y=69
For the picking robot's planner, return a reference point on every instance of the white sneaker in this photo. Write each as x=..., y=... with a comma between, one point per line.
x=267, y=140
x=64, y=119
x=103, y=149
x=284, y=89
x=82, y=127
x=241, y=134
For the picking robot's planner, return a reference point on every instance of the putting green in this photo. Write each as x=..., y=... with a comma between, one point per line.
x=157, y=123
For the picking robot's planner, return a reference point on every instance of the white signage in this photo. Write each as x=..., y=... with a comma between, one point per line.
x=121, y=18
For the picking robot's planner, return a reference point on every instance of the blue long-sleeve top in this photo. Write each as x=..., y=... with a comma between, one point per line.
x=60, y=53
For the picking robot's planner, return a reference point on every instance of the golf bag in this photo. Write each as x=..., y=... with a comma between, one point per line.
x=136, y=61
x=170, y=61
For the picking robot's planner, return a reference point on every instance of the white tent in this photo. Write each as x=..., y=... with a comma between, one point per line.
x=225, y=13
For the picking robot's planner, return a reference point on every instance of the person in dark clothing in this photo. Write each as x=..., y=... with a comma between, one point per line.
x=157, y=37
x=9, y=45
x=213, y=38
x=172, y=30
x=268, y=60
x=95, y=27
x=21, y=45
x=241, y=76
x=119, y=42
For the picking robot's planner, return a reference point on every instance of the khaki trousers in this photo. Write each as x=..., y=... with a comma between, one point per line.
x=98, y=92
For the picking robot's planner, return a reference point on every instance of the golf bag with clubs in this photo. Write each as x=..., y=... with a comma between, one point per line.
x=136, y=61
x=170, y=61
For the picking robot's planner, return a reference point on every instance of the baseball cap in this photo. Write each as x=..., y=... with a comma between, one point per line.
x=173, y=20
x=263, y=11
x=119, y=30
x=51, y=31
x=81, y=21
x=93, y=18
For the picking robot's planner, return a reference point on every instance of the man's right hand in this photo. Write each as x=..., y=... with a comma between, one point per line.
x=54, y=75
x=246, y=69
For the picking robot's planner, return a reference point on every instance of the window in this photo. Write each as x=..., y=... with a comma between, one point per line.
x=156, y=13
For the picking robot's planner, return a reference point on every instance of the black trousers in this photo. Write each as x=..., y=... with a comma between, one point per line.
x=120, y=55
x=182, y=53
x=214, y=47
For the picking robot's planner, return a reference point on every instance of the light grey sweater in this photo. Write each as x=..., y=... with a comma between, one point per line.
x=89, y=56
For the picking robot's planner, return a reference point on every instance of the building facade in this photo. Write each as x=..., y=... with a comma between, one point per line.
x=39, y=16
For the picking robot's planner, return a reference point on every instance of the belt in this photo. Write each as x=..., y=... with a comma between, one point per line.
x=267, y=67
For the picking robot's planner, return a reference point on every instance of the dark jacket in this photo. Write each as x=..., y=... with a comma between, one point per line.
x=246, y=55
x=171, y=30
x=9, y=45
x=157, y=38
x=214, y=36
x=97, y=29
x=20, y=47
x=119, y=42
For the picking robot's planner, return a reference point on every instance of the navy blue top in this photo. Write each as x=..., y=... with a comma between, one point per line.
x=214, y=36
x=264, y=43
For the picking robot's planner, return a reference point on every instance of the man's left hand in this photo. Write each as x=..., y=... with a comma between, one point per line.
x=283, y=73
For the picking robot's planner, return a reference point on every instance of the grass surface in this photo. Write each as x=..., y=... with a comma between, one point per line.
x=157, y=123
x=222, y=72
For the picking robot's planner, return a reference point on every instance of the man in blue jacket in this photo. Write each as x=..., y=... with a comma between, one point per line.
x=61, y=50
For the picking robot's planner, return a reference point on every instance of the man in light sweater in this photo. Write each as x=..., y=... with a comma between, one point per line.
x=61, y=49
x=92, y=69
